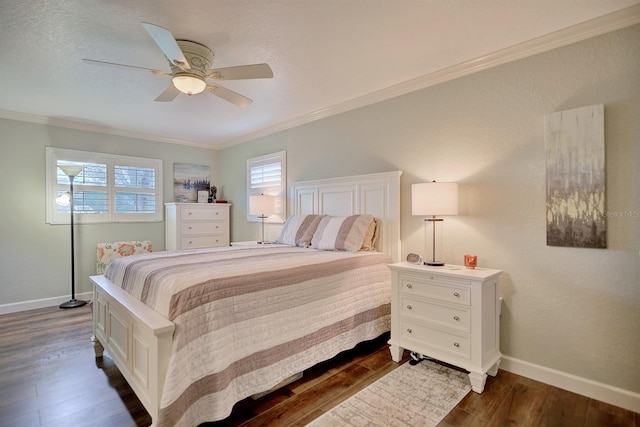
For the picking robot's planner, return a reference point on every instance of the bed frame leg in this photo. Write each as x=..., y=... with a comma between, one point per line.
x=97, y=346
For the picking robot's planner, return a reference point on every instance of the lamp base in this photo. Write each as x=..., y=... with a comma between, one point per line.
x=434, y=263
x=73, y=303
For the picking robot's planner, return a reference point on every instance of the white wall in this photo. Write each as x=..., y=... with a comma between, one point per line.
x=568, y=309
x=35, y=258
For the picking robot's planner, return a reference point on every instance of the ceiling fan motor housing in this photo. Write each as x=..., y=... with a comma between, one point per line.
x=199, y=57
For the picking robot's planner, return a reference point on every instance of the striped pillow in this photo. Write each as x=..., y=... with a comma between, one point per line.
x=298, y=230
x=342, y=233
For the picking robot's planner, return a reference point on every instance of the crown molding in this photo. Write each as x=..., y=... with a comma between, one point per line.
x=604, y=24
x=90, y=127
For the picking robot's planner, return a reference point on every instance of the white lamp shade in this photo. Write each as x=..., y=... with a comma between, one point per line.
x=189, y=84
x=434, y=198
x=71, y=170
x=262, y=205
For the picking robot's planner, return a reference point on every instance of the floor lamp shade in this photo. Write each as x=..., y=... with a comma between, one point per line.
x=72, y=171
x=434, y=199
x=262, y=205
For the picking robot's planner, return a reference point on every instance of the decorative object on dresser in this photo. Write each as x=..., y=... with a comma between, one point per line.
x=213, y=194
x=451, y=314
x=71, y=171
x=262, y=205
x=196, y=225
x=470, y=261
x=434, y=198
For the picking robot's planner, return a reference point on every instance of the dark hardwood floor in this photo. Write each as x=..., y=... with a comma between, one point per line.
x=50, y=377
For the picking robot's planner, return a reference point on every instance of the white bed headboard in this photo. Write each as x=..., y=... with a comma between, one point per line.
x=376, y=194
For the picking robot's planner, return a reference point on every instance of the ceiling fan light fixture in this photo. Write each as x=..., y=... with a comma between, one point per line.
x=190, y=85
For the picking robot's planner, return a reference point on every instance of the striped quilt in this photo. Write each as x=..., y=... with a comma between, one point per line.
x=248, y=317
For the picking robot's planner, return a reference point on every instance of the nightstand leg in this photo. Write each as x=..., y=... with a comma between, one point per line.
x=477, y=381
x=493, y=371
x=396, y=352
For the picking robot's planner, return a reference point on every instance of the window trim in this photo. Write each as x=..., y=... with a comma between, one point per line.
x=53, y=155
x=280, y=192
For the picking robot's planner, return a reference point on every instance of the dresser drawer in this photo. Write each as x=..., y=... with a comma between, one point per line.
x=457, y=317
x=449, y=290
x=452, y=343
x=187, y=228
x=203, y=213
x=197, y=242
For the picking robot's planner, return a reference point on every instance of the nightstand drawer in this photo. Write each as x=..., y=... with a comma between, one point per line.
x=197, y=242
x=452, y=343
x=457, y=317
x=436, y=288
x=203, y=228
x=203, y=213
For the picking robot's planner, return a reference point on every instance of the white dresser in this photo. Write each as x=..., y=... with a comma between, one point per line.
x=449, y=313
x=196, y=225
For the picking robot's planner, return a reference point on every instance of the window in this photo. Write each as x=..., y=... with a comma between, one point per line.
x=110, y=188
x=267, y=175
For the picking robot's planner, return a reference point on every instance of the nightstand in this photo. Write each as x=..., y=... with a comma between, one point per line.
x=449, y=313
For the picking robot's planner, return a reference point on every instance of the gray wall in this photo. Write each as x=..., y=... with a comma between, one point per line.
x=573, y=310
x=34, y=256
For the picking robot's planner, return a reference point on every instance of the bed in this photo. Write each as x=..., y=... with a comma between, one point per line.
x=194, y=332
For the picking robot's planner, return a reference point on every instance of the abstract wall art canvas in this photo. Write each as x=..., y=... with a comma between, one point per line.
x=575, y=157
x=188, y=180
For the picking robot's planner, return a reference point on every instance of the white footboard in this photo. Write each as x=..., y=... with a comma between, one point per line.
x=137, y=338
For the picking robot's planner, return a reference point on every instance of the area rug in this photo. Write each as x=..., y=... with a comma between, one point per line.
x=415, y=396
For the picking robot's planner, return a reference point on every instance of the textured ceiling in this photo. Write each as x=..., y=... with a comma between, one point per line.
x=327, y=56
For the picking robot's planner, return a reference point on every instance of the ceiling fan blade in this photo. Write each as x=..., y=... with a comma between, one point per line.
x=113, y=64
x=229, y=95
x=254, y=71
x=168, y=95
x=168, y=45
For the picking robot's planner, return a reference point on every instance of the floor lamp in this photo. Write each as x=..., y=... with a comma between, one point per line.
x=263, y=206
x=434, y=199
x=71, y=171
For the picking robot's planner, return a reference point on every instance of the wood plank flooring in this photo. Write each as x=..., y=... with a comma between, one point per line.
x=50, y=377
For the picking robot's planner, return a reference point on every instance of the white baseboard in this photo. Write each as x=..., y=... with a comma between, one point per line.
x=613, y=395
x=40, y=303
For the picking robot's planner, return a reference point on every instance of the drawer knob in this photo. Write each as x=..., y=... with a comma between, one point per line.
x=409, y=307
x=217, y=213
x=455, y=344
x=409, y=285
x=190, y=227
x=456, y=318
x=455, y=294
x=409, y=330
x=190, y=213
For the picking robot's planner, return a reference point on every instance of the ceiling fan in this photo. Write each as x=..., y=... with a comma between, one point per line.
x=190, y=62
